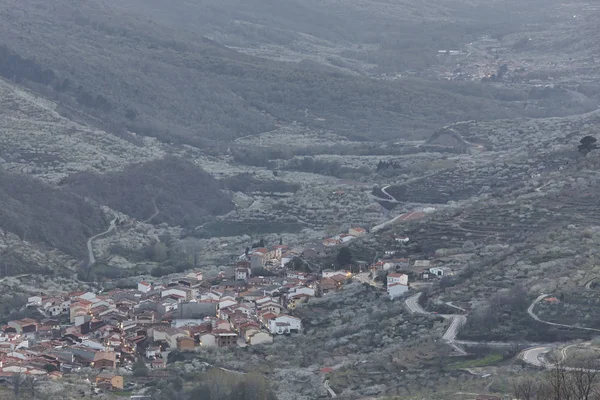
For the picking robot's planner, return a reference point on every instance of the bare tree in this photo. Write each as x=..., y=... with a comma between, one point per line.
x=562, y=383
x=559, y=382
x=525, y=389
x=583, y=381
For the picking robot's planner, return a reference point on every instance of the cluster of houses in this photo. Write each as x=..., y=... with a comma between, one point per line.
x=113, y=329
x=342, y=238
x=424, y=269
x=397, y=280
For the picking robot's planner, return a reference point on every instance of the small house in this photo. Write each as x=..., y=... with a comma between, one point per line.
x=109, y=381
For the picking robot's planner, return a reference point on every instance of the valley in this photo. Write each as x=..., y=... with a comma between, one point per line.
x=176, y=148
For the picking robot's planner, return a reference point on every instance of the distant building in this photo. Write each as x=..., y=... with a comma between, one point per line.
x=105, y=359
x=260, y=338
x=109, y=381
x=397, y=285
x=328, y=273
x=257, y=257
x=422, y=263
x=24, y=326
x=284, y=324
x=397, y=278
x=186, y=344
x=197, y=275
x=144, y=287
x=401, y=239
x=242, y=274
x=441, y=271
x=396, y=290
x=358, y=231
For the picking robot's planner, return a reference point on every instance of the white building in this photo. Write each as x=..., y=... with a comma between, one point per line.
x=344, y=238
x=397, y=278
x=208, y=340
x=197, y=275
x=402, y=239
x=329, y=273
x=242, y=274
x=260, y=338
x=422, y=263
x=297, y=275
x=441, y=271
x=173, y=291
x=301, y=290
x=209, y=296
x=34, y=301
x=144, y=287
x=284, y=324
x=395, y=263
x=357, y=232
x=227, y=301
x=396, y=290
x=397, y=285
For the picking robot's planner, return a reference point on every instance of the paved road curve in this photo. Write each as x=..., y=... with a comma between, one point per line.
x=412, y=303
x=534, y=316
x=90, y=242
x=534, y=356
x=457, y=322
x=329, y=389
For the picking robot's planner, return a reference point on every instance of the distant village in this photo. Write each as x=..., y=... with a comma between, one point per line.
x=111, y=330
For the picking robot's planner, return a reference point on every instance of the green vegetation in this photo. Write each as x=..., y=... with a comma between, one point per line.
x=233, y=228
x=247, y=183
x=183, y=193
x=214, y=384
x=136, y=74
x=344, y=257
x=41, y=214
x=490, y=359
x=139, y=368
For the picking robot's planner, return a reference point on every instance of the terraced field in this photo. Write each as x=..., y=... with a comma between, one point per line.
x=461, y=183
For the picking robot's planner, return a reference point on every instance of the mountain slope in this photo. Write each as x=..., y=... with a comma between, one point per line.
x=131, y=73
x=41, y=214
x=182, y=193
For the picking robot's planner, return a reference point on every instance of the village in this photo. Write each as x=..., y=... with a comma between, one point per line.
x=111, y=331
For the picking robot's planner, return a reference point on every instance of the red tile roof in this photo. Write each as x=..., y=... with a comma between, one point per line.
x=394, y=275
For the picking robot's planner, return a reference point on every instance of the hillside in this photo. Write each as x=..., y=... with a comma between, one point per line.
x=39, y=213
x=129, y=72
x=177, y=191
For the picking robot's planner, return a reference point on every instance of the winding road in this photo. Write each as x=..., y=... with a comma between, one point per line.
x=457, y=321
x=155, y=214
x=390, y=198
x=329, y=389
x=90, y=241
x=534, y=316
x=535, y=355
x=532, y=355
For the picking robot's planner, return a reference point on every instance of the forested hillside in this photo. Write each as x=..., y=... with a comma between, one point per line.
x=140, y=74
x=41, y=214
x=180, y=193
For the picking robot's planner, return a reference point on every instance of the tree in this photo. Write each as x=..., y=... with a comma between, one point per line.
x=175, y=356
x=588, y=143
x=139, y=368
x=344, y=256
x=525, y=389
x=562, y=383
x=159, y=252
